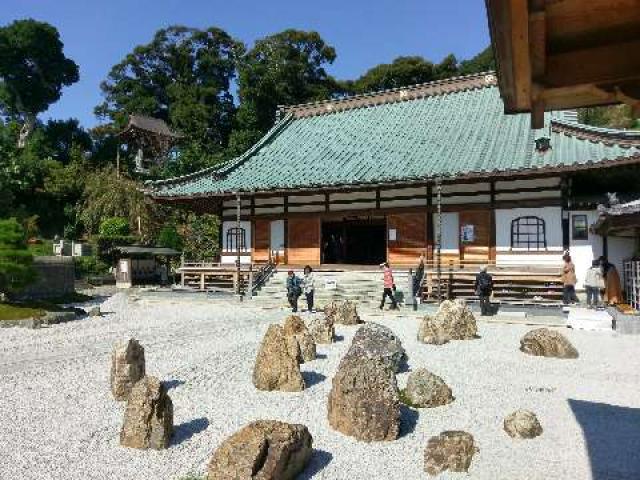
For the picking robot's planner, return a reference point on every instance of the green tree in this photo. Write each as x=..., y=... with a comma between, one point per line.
x=401, y=72
x=33, y=71
x=106, y=195
x=282, y=69
x=482, y=62
x=170, y=238
x=200, y=234
x=614, y=116
x=182, y=76
x=16, y=270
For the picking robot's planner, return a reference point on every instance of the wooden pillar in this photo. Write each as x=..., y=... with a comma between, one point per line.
x=237, y=275
x=286, y=229
x=378, y=198
x=565, y=192
x=430, y=236
x=492, y=222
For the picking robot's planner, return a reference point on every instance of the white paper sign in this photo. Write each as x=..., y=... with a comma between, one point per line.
x=467, y=233
x=393, y=234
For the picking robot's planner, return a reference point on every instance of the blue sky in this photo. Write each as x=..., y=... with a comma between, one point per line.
x=98, y=34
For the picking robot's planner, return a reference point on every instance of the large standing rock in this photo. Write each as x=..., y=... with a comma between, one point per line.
x=297, y=333
x=343, y=313
x=264, y=450
x=547, y=343
x=322, y=330
x=364, y=400
x=522, y=424
x=373, y=340
x=424, y=389
x=148, y=418
x=276, y=368
x=452, y=450
x=453, y=321
x=127, y=367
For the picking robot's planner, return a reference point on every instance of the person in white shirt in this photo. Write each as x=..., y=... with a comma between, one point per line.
x=308, y=285
x=593, y=283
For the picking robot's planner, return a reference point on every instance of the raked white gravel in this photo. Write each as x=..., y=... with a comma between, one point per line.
x=59, y=421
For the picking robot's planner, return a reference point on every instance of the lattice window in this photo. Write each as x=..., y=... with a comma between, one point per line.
x=236, y=240
x=529, y=233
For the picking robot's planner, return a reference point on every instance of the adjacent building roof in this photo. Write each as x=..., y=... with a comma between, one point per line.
x=453, y=128
x=156, y=126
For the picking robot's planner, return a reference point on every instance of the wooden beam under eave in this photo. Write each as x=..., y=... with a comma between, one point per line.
x=521, y=55
x=538, y=44
x=599, y=65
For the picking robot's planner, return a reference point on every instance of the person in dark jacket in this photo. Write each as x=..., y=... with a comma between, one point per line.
x=484, y=288
x=294, y=290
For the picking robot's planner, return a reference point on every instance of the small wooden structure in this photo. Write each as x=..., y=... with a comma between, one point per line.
x=136, y=265
x=555, y=55
x=150, y=138
x=217, y=277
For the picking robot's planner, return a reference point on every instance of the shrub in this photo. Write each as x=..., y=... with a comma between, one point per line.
x=16, y=271
x=87, y=266
x=114, y=227
x=170, y=238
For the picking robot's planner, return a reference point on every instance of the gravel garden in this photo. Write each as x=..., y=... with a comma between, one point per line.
x=222, y=366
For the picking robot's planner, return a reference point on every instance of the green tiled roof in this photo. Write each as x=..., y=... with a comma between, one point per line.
x=459, y=133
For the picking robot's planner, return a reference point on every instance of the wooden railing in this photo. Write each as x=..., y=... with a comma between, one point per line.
x=217, y=277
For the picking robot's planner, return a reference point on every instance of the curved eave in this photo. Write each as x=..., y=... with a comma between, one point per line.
x=408, y=182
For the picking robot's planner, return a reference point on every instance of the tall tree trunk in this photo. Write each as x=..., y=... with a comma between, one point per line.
x=26, y=130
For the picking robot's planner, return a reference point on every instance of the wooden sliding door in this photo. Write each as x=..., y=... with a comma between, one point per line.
x=304, y=241
x=406, y=237
x=261, y=240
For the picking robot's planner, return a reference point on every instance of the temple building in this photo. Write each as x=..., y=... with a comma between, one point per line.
x=361, y=180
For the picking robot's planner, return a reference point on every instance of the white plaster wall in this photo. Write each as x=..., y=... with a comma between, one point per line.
x=231, y=203
x=229, y=256
x=583, y=252
x=306, y=208
x=555, y=194
x=277, y=236
x=464, y=187
x=403, y=192
x=460, y=199
x=269, y=210
x=536, y=182
x=305, y=198
x=619, y=250
x=269, y=201
x=450, y=231
x=505, y=255
x=353, y=196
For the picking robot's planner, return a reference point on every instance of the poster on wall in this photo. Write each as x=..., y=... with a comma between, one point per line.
x=467, y=233
x=393, y=234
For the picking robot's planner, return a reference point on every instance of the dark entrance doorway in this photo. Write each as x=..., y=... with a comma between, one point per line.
x=354, y=241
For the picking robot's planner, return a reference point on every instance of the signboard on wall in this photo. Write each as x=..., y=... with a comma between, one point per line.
x=467, y=233
x=393, y=235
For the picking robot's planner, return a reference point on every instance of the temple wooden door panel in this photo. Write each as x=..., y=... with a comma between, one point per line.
x=475, y=236
x=261, y=240
x=407, y=237
x=304, y=241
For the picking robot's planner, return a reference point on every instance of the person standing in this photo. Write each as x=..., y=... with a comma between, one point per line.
x=484, y=289
x=389, y=286
x=308, y=282
x=569, y=280
x=293, y=290
x=594, y=282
